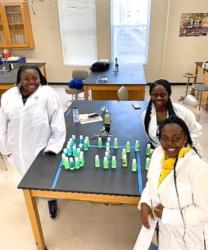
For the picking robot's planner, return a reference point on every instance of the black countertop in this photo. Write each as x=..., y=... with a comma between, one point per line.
x=46, y=172
x=10, y=76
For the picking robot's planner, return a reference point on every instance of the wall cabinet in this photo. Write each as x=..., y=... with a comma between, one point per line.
x=15, y=26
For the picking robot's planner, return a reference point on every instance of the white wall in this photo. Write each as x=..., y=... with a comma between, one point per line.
x=170, y=63
x=182, y=52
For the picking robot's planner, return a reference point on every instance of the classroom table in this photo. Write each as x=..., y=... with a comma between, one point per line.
x=8, y=78
x=104, y=85
x=47, y=177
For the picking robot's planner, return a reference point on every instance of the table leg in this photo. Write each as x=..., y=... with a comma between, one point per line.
x=85, y=92
x=195, y=79
x=187, y=86
x=34, y=219
x=200, y=100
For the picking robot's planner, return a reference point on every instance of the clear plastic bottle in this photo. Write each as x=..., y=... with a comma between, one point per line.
x=116, y=65
x=75, y=114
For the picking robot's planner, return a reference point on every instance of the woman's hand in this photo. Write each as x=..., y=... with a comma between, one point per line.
x=146, y=211
x=158, y=210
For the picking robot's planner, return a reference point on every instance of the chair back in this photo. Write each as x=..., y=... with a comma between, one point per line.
x=190, y=100
x=195, y=111
x=78, y=73
x=122, y=93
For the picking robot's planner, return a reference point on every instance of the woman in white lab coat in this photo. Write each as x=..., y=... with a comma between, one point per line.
x=176, y=191
x=160, y=107
x=32, y=119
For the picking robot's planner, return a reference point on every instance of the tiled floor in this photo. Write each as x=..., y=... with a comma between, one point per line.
x=79, y=225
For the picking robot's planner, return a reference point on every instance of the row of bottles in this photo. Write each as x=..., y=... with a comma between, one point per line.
x=111, y=162
x=73, y=154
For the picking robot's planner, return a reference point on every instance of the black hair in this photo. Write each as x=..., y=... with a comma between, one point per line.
x=22, y=68
x=170, y=108
x=176, y=120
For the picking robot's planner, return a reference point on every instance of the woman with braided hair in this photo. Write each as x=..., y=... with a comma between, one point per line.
x=160, y=107
x=175, y=195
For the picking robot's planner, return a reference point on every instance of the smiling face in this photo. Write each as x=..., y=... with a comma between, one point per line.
x=159, y=97
x=30, y=81
x=172, y=139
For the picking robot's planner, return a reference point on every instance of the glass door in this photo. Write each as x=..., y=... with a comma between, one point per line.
x=15, y=25
x=2, y=30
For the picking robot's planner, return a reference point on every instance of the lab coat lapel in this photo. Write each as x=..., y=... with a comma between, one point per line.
x=156, y=173
x=154, y=119
x=171, y=174
x=32, y=100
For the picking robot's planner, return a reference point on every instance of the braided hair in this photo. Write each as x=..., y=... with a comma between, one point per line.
x=22, y=68
x=170, y=109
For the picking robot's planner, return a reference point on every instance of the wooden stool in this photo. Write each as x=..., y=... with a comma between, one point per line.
x=200, y=87
x=188, y=76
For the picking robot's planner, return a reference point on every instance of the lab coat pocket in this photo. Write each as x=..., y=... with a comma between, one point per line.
x=176, y=244
x=39, y=119
x=179, y=243
x=185, y=193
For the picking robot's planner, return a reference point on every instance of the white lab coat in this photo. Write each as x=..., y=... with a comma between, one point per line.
x=186, y=115
x=27, y=129
x=192, y=183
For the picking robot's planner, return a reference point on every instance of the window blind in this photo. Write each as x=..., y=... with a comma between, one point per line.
x=78, y=31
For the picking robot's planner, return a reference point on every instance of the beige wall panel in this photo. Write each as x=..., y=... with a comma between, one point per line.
x=182, y=52
x=168, y=58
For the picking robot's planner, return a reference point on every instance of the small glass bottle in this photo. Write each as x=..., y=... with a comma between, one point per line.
x=85, y=146
x=105, y=162
x=74, y=141
x=87, y=140
x=128, y=147
x=100, y=143
x=74, y=150
x=75, y=114
x=148, y=149
x=97, y=161
x=113, y=162
x=147, y=162
x=71, y=163
x=137, y=146
x=107, y=120
x=69, y=150
x=81, y=139
x=116, y=65
x=115, y=143
x=81, y=159
x=134, y=165
x=124, y=162
x=76, y=163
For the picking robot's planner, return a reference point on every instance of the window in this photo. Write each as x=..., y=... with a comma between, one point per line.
x=130, y=30
x=78, y=31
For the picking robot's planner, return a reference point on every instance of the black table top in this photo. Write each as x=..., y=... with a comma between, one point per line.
x=46, y=173
x=10, y=77
x=128, y=74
